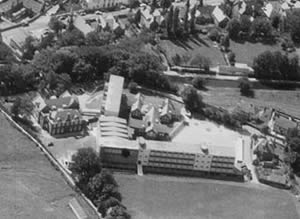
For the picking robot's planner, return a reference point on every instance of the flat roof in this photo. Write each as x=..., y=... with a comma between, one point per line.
x=114, y=94
x=170, y=147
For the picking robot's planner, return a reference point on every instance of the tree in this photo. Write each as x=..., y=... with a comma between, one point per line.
x=261, y=26
x=56, y=25
x=134, y=4
x=165, y=4
x=245, y=24
x=170, y=21
x=201, y=61
x=71, y=37
x=96, y=38
x=275, y=19
x=233, y=28
x=46, y=41
x=103, y=184
x=193, y=20
x=275, y=65
x=176, y=21
x=118, y=212
x=186, y=17
x=231, y=58
x=246, y=88
x=154, y=5
x=22, y=107
x=137, y=17
x=6, y=54
x=29, y=48
x=192, y=100
x=85, y=165
x=294, y=25
x=225, y=42
x=214, y=35
x=199, y=83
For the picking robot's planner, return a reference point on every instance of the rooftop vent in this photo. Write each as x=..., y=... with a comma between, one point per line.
x=204, y=149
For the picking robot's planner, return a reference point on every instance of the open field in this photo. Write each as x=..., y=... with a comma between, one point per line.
x=159, y=197
x=285, y=100
x=247, y=51
x=191, y=48
x=30, y=186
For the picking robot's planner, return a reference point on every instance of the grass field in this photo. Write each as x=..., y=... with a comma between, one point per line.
x=159, y=197
x=191, y=48
x=30, y=186
x=246, y=52
x=285, y=100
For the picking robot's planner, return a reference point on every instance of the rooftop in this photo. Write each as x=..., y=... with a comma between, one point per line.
x=64, y=114
x=285, y=123
x=81, y=25
x=114, y=94
x=170, y=146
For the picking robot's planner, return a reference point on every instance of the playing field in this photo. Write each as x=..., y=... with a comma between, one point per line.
x=30, y=187
x=159, y=197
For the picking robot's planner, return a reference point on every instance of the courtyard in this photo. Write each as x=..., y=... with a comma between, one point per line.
x=199, y=131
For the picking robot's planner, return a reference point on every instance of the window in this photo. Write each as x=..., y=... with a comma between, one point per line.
x=125, y=153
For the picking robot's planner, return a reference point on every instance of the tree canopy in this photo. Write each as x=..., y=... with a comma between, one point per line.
x=275, y=65
x=193, y=101
x=85, y=164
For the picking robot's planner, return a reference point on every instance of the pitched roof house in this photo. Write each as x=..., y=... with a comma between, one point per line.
x=70, y=102
x=219, y=17
x=136, y=108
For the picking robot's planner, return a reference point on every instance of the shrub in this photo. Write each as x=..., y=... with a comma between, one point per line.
x=214, y=35
x=246, y=88
x=199, y=83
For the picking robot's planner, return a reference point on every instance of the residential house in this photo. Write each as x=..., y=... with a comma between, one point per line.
x=154, y=129
x=36, y=6
x=283, y=124
x=39, y=103
x=81, y=25
x=61, y=122
x=57, y=103
x=265, y=151
x=219, y=17
x=66, y=93
x=136, y=108
x=148, y=17
x=268, y=9
x=168, y=112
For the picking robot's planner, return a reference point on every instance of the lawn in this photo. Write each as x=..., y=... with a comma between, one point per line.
x=159, y=197
x=190, y=49
x=246, y=52
x=30, y=186
x=285, y=100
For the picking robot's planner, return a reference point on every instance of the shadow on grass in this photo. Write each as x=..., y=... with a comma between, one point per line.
x=200, y=40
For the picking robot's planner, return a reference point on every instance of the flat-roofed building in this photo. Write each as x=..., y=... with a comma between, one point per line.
x=113, y=95
x=98, y=4
x=171, y=158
